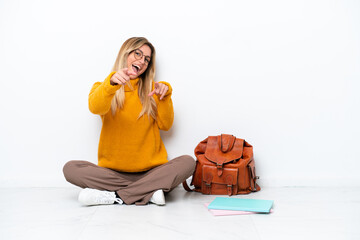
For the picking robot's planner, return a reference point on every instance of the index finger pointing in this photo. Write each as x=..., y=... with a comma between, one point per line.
x=151, y=93
x=130, y=72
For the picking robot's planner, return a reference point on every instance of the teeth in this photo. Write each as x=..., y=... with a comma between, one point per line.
x=138, y=68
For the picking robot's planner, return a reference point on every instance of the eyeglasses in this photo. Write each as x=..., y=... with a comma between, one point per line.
x=139, y=55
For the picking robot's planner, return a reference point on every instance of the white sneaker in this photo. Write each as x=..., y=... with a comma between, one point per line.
x=89, y=197
x=158, y=198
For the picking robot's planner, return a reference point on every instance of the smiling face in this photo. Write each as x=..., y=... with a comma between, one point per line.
x=138, y=60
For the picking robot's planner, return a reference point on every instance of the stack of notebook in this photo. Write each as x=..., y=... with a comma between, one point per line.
x=237, y=206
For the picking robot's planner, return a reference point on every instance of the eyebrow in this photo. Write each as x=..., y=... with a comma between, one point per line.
x=143, y=53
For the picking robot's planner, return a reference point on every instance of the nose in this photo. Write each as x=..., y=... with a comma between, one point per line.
x=142, y=60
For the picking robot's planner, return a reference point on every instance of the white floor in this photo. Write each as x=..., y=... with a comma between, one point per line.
x=299, y=213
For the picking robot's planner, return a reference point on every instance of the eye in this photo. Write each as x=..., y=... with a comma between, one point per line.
x=137, y=53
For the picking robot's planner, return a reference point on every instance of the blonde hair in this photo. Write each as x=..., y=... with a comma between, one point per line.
x=145, y=80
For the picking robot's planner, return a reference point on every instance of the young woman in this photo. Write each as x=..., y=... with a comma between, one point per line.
x=132, y=159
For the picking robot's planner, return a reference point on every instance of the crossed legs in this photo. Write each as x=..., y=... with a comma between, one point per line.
x=130, y=187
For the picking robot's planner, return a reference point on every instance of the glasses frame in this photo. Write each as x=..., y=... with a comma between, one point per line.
x=147, y=59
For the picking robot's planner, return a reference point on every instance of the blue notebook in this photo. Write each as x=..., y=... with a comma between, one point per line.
x=239, y=204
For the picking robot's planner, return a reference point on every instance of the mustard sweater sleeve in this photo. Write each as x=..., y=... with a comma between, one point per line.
x=165, y=109
x=101, y=95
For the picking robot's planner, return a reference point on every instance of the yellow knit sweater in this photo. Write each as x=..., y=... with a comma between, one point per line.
x=128, y=143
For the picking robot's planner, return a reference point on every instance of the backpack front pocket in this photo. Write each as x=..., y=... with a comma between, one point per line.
x=226, y=184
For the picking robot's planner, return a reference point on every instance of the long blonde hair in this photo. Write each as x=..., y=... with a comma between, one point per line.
x=145, y=80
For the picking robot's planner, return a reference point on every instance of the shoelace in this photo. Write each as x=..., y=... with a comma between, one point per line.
x=108, y=198
x=119, y=201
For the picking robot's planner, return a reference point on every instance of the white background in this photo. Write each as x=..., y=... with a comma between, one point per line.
x=284, y=75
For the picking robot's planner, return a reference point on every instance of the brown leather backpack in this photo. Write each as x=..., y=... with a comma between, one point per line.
x=224, y=165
